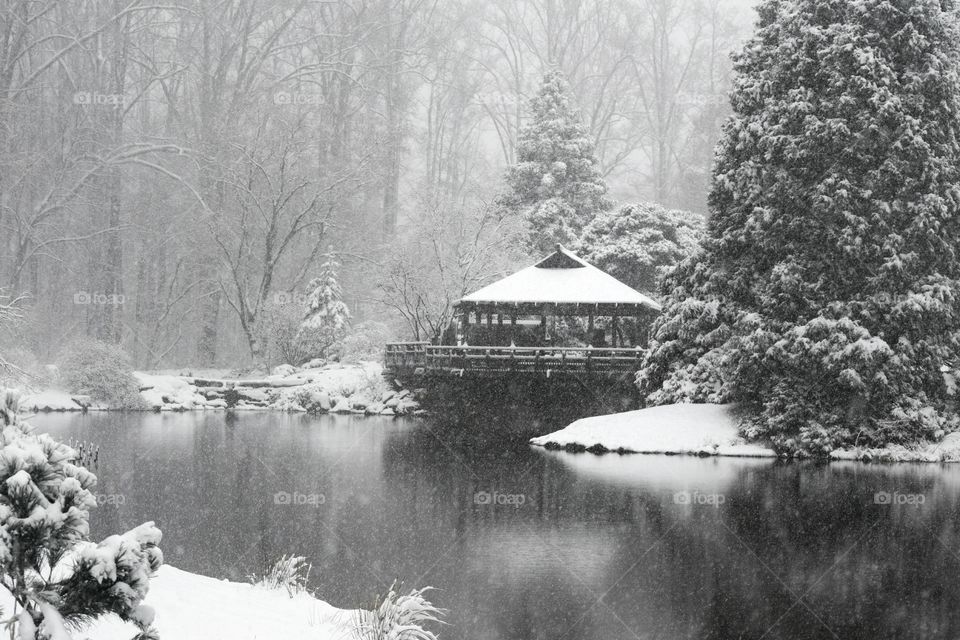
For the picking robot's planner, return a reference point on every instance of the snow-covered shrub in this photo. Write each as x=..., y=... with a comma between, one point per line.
x=102, y=371
x=291, y=573
x=827, y=294
x=399, y=617
x=638, y=242
x=366, y=341
x=54, y=574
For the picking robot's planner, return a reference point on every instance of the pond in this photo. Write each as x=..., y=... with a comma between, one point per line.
x=522, y=543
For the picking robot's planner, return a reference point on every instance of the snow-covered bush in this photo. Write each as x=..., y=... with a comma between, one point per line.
x=366, y=341
x=56, y=577
x=637, y=242
x=399, y=617
x=102, y=371
x=280, y=327
x=827, y=295
x=291, y=573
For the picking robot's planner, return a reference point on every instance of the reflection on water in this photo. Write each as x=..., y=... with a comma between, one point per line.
x=523, y=543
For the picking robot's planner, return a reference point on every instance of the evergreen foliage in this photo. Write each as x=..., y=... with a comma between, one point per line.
x=58, y=578
x=327, y=318
x=826, y=296
x=556, y=184
x=638, y=242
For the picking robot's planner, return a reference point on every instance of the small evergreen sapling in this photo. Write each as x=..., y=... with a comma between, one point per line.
x=57, y=578
x=327, y=318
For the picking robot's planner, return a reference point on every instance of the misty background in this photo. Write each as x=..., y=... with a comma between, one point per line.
x=173, y=174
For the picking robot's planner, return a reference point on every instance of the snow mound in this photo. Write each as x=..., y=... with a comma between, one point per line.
x=49, y=400
x=696, y=429
x=165, y=392
x=194, y=607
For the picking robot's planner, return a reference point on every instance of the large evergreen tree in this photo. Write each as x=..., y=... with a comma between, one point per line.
x=826, y=296
x=556, y=184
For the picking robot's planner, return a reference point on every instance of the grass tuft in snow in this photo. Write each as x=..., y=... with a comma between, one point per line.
x=289, y=572
x=399, y=617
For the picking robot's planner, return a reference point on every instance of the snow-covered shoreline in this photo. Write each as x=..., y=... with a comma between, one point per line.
x=708, y=430
x=194, y=607
x=681, y=429
x=327, y=388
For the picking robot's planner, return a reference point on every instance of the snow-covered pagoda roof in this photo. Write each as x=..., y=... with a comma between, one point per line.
x=562, y=279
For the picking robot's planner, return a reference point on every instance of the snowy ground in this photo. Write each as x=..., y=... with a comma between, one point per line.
x=322, y=388
x=709, y=429
x=194, y=607
x=697, y=429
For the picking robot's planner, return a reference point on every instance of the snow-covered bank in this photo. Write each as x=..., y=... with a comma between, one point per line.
x=335, y=388
x=695, y=429
x=709, y=429
x=195, y=607
x=947, y=450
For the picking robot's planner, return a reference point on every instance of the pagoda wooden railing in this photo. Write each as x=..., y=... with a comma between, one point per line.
x=405, y=355
x=492, y=361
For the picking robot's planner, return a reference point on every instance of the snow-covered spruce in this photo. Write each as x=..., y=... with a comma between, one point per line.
x=327, y=316
x=827, y=296
x=53, y=577
x=556, y=185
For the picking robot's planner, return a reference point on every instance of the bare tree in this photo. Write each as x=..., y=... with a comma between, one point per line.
x=445, y=254
x=278, y=208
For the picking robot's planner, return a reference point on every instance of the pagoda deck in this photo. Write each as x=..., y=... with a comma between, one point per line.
x=405, y=359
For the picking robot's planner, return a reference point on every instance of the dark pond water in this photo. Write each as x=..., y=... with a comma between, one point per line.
x=523, y=543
